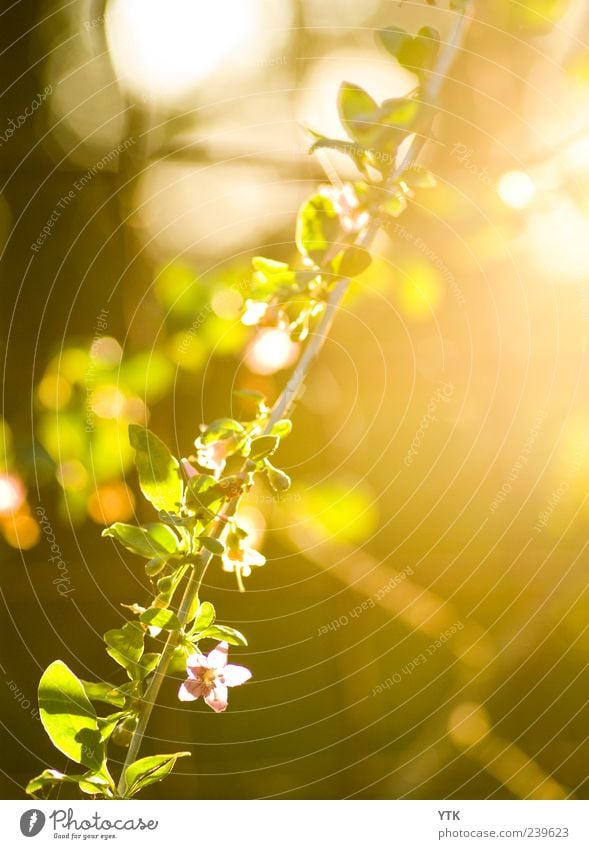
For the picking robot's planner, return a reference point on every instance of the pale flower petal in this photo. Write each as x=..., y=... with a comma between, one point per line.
x=233, y=676
x=254, y=312
x=253, y=558
x=190, y=690
x=217, y=658
x=217, y=698
x=189, y=469
x=197, y=662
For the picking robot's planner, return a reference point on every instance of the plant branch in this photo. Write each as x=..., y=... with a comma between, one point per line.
x=197, y=572
x=292, y=390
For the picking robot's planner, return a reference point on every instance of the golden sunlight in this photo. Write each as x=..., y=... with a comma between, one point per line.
x=161, y=50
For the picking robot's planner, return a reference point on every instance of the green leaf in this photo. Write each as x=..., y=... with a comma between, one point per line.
x=418, y=54
x=269, y=276
x=205, y=616
x=68, y=716
x=358, y=112
x=317, y=227
x=107, y=724
x=395, y=204
x=160, y=617
x=202, y=492
x=257, y=398
x=94, y=785
x=148, y=770
x=223, y=429
x=354, y=150
x=278, y=480
x=178, y=661
x=215, y=546
x=176, y=519
x=147, y=541
x=154, y=566
x=89, y=783
x=159, y=475
x=123, y=733
x=224, y=632
x=417, y=177
x=101, y=691
x=281, y=428
x=399, y=113
x=263, y=446
x=393, y=39
x=147, y=664
x=125, y=645
x=351, y=262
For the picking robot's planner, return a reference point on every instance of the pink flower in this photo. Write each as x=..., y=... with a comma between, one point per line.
x=346, y=204
x=210, y=677
x=189, y=469
x=212, y=455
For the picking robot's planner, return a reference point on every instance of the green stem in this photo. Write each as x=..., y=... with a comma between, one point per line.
x=287, y=398
x=191, y=591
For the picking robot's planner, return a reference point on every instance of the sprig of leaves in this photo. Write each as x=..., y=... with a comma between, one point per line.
x=196, y=499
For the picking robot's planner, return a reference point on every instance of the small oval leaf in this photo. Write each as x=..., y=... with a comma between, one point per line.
x=148, y=770
x=68, y=716
x=215, y=546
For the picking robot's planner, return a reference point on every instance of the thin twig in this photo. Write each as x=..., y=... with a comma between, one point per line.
x=291, y=391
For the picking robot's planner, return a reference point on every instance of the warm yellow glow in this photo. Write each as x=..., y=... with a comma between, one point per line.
x=227, y=303
x=21, y=532
x=12, y=494
x=162, y=48
x=106, y=352
x=576, y=155
x=135, y=410
x=72, y=475
x=420, y=292
x=558, y=241
x=271, y=350
x=253, y=521
x=516, y=189
x=114, y=503
x=468, y=724
x=187, y=350
x=108, y=402
x=54, y=392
